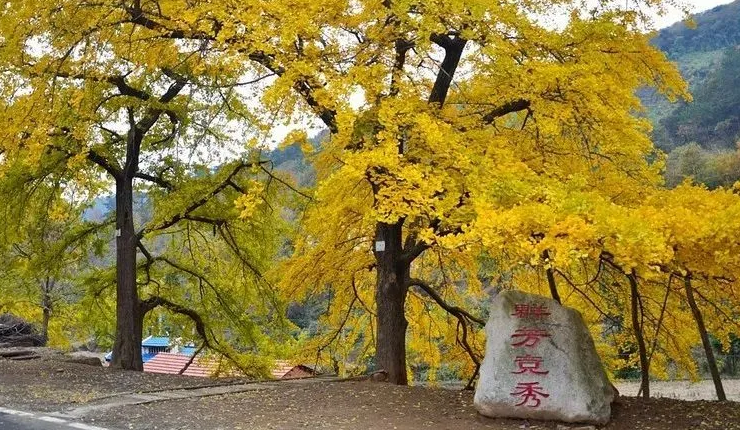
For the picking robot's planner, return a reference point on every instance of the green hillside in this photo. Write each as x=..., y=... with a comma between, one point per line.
x=707, y=58
x=701, y=137
x=716, y=29
x=713, y=119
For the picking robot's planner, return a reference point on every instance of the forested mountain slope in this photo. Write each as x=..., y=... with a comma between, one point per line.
x=701, y=137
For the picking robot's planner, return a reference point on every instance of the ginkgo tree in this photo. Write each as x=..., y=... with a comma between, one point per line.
x=468, y=106
x=107, y=105
x=45, y=247
x=472, y=107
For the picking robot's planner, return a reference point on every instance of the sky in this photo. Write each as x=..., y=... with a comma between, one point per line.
x=696, y=7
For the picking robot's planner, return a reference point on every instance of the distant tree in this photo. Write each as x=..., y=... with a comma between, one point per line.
x=45, y=251
x=713, y=168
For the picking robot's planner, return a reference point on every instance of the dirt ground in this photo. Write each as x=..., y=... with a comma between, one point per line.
x=49, y=385
x=374, y=406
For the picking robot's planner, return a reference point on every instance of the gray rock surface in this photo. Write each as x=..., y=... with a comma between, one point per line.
x=541, y=363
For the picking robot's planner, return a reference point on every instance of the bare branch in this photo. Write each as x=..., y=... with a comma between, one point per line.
x=192, y=358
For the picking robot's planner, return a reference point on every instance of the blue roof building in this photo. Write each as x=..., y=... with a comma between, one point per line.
x=153, y=345
x=156, y=342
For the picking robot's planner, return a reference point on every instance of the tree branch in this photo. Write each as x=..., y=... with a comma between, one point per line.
x=156, y=180
x=187, y=365
x=453, y=51
x=118, y=81
x=511, y=107
x=463, y=319
x=454, y=310
x=303, y=86
x=413, y=249
x=108, y=165
x=200, y=202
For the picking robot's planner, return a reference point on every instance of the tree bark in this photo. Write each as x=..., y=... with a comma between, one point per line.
x=390, y=298
x=711, y=361
x=644, y=363
x=46, y=305
x=553, y=286
x=45, y=325
x=129, y=316
x=551, y=279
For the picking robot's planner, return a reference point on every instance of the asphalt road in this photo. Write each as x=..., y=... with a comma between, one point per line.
x=11, y=422
x=38, y=422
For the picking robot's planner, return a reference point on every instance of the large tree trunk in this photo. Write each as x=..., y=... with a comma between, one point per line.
x=390, y=298
x=46, y=305
x=642, y=349
x=129, y=317
x=711, y=361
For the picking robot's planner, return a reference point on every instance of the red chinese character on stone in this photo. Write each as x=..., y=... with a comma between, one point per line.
x=529, y=336
x=525, y=310
x=521, y=310
x=538, y=311
x=530, y=393
x=530, y=364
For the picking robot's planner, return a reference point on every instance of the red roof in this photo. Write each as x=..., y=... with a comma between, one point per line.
x=167, y=362
x=281, y=368
x=172, y=363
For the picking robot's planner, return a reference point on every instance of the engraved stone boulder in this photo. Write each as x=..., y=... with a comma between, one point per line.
x=541, y=363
